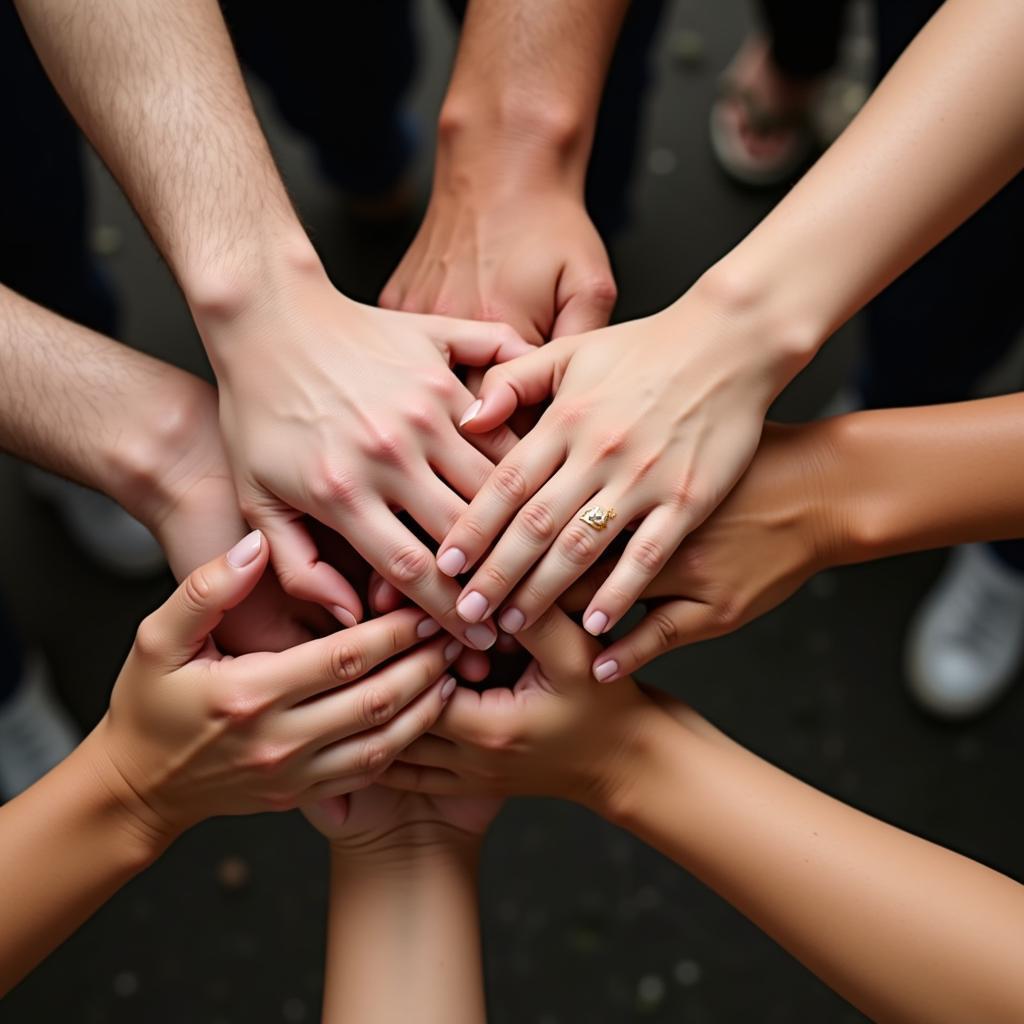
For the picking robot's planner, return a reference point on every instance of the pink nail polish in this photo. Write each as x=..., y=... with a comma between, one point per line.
x=246, y=550
x=604, y=671
x=344, y=616
x=480, y=637
x=452, y=650
x=428, y=627
x=452, y=562
x=596, y=623
x=471, y=412
x=473, y=607
x=447, y=688
x=512, y=620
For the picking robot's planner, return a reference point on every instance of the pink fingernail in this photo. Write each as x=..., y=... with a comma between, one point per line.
x=481, y=637
x=344, y=616
x=452, y=650
x=512, y=620
x=471, y=412
x=246, y=550
x=452, y=562
x=428, y=627
x=596, y=623
x=447, y=688
x=604, y=670
x=473, y=607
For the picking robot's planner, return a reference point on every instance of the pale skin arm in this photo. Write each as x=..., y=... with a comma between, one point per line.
x=507, y=235
x=328, y=408
x=659, y=418
x=849, y=489
x=905, y=930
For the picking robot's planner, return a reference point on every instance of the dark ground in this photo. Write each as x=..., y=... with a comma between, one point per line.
x=582, y=923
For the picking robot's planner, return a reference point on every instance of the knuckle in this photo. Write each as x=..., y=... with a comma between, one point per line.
x=237, y=706
x=196, y=591
x=727, y=613
x=280, y=800
x=494, y=577
x=648, y=555
x=665, y=629
x=268, y=758
x=578, y=545
x=601, y=291
x=612, y=442
x=497, y=739
x=682, y=494
x=347, y=662
x=149, y=642
x=422, y=418
x=374, y=756
x=336, y=486
x=510, y=483
x=409, y=565
x=378, y=707
x=443, y=385
x=567, y=414
x=381, y=444
x=537, y=522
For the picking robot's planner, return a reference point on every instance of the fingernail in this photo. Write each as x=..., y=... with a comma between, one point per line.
x=471, y=412
x=243, y=553
x=512, y=620
x=473, y=607
x=596, y=623
x=452, y=649
x=447, y=688
x=452, y=562
x=480, y=637
x=344, y=616
x=604, y=670
x=428, y=627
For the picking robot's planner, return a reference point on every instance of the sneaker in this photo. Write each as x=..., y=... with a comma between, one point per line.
x=36, y=733
x=109, y=535
x=967, y=640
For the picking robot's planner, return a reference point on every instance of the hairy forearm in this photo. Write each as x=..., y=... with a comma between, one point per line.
x=158, y=90
x=941, y=134
x=527, y=84
x=403, y=940
x=905, y=930
x=98, y=412
x=898, y=480
x=67, y=844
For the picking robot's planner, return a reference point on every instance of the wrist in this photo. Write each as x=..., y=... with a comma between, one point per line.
x=410, y=847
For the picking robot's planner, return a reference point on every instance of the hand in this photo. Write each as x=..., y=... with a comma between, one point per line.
x=654, y=419
x=523, y=253
x=760, y=545
x=345, y=413
x=554, y=734
x=194, y=734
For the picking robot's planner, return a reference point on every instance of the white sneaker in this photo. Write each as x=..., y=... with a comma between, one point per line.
x=967, y=639
x=36, y=733
x=108, y=534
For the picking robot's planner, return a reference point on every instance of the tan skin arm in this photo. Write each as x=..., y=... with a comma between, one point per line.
x=903, y=929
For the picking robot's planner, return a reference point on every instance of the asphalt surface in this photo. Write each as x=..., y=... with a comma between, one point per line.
x=582, y=923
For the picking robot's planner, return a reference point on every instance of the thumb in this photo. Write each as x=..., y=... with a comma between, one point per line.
x=181, y=625
x=523, y=381
x=563, y=651
x=477, y=342
x=585, y=300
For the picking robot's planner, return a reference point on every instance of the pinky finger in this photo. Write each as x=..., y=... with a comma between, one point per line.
x=435, y=781
x=669, y=625
x=643, y=558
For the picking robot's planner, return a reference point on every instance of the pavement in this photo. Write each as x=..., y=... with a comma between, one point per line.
x=582, y=923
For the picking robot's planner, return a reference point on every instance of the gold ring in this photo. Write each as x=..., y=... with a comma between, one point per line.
x=597, y=517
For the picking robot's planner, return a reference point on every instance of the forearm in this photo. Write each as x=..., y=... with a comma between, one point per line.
x=158, y=90
x=941, y=134
x=903, y=929
x=98, y=412
x=67, y=844
x=898, y=480
x=521, y=100
x=403, y=940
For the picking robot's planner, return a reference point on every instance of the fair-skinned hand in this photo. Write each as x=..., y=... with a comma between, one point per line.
x=554, y=734
x=196, y=734
x=655, y=419
x=346, y=413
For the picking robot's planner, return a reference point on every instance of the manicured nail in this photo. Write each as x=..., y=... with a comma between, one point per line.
x=447, y=688
x=512, y=620
x=344, y=616
x=473, y=607
x=480, y=637
x=428, y=627
x=604, y=670
x=452, y=650
x=243, y=553
x=452, y=562
x=596, y=623
x=471, y=412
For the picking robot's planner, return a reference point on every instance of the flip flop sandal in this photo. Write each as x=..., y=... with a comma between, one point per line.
x=734, y=157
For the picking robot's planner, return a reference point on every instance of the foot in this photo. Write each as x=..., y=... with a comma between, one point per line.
x=761, y=123
x=36, y=733
x=113, y=538
x=967, y=640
